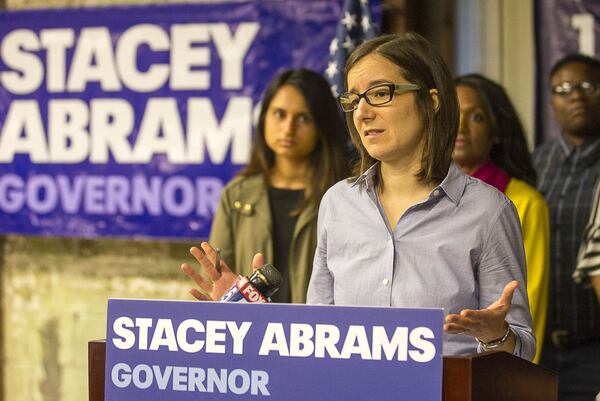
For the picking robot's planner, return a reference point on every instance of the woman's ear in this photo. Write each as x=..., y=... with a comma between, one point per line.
x=436, y=99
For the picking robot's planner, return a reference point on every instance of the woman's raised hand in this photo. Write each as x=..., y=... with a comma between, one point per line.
x=218, y=281
x=486, y=324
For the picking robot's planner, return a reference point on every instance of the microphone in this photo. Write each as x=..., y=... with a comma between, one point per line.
x=258, y=288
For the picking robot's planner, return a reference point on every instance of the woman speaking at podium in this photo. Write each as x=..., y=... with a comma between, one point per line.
x=410, y=229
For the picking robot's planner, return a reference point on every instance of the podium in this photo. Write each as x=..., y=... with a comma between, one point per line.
x=495, y=376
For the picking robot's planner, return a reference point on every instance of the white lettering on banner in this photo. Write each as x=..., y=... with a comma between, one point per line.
x=397, y=344
x=67, y=120
x=56, y=42
x=326, y=339
x=95, y=61
x=111, y=123
x=27, y=69
x=584, y=24
x=23, y=117
x=41, y=183
x=323, y=340
x=160, y=132
x=232, y=50
x=425, y=350
x=157, y=74
x=162, y=334
x=235, y=128
x=356, y=343
x=112, y=194
x=191, y=379
x=184, y=56
x=301, y=343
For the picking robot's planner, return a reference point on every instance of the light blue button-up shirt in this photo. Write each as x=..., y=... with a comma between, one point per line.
x=456, y=250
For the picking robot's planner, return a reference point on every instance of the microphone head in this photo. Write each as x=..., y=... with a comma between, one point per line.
x=271, y=275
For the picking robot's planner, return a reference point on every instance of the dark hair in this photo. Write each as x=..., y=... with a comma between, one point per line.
x=575, y=58
x=511, y=152
x=328, y=162
x=421, y=65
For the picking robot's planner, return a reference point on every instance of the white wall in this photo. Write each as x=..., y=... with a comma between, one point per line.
x=496, y=38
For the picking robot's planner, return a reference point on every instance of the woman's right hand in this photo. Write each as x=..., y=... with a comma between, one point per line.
x=218, y=281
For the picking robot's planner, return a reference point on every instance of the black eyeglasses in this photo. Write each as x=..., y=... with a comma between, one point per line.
x=566, y=88
x=376, y=95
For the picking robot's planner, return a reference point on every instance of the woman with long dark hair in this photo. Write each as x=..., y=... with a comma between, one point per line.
x=299, y=151
x=491, y=146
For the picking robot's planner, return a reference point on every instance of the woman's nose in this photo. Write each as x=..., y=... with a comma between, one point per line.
x=462, y=123
x=288, y=126
x=363, y=110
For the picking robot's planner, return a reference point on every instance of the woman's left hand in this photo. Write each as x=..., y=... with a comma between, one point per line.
x=216, y=281
x=486, y=324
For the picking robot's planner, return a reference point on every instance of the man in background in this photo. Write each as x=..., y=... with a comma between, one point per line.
x=568, y=169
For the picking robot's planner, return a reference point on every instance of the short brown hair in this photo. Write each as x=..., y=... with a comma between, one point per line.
x=421, y=65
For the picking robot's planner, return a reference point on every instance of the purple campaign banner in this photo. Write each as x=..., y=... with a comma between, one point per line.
x=189, y=351
x=128, y=121
x=562, y=27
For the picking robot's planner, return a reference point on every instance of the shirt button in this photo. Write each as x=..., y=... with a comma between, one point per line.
x=386, y=281
x=436, y=193
x=247, y=209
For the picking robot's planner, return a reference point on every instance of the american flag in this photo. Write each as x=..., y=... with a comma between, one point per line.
x=356, y=25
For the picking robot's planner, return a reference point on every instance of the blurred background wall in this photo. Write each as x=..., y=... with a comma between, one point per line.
x=54, y=290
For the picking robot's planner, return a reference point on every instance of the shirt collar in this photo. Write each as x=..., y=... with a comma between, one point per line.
x=368, y=177
x=588, y=153
x=453, y=184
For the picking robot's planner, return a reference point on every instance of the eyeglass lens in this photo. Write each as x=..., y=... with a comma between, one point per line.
x=566, y=88
x=375, y=96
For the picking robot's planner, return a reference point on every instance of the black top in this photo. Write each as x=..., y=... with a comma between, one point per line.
x=283, y=202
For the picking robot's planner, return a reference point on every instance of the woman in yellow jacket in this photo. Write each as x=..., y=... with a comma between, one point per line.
x=491, y=146
x=298, y=152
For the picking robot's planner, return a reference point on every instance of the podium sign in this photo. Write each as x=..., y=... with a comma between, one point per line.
x=171, y=350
